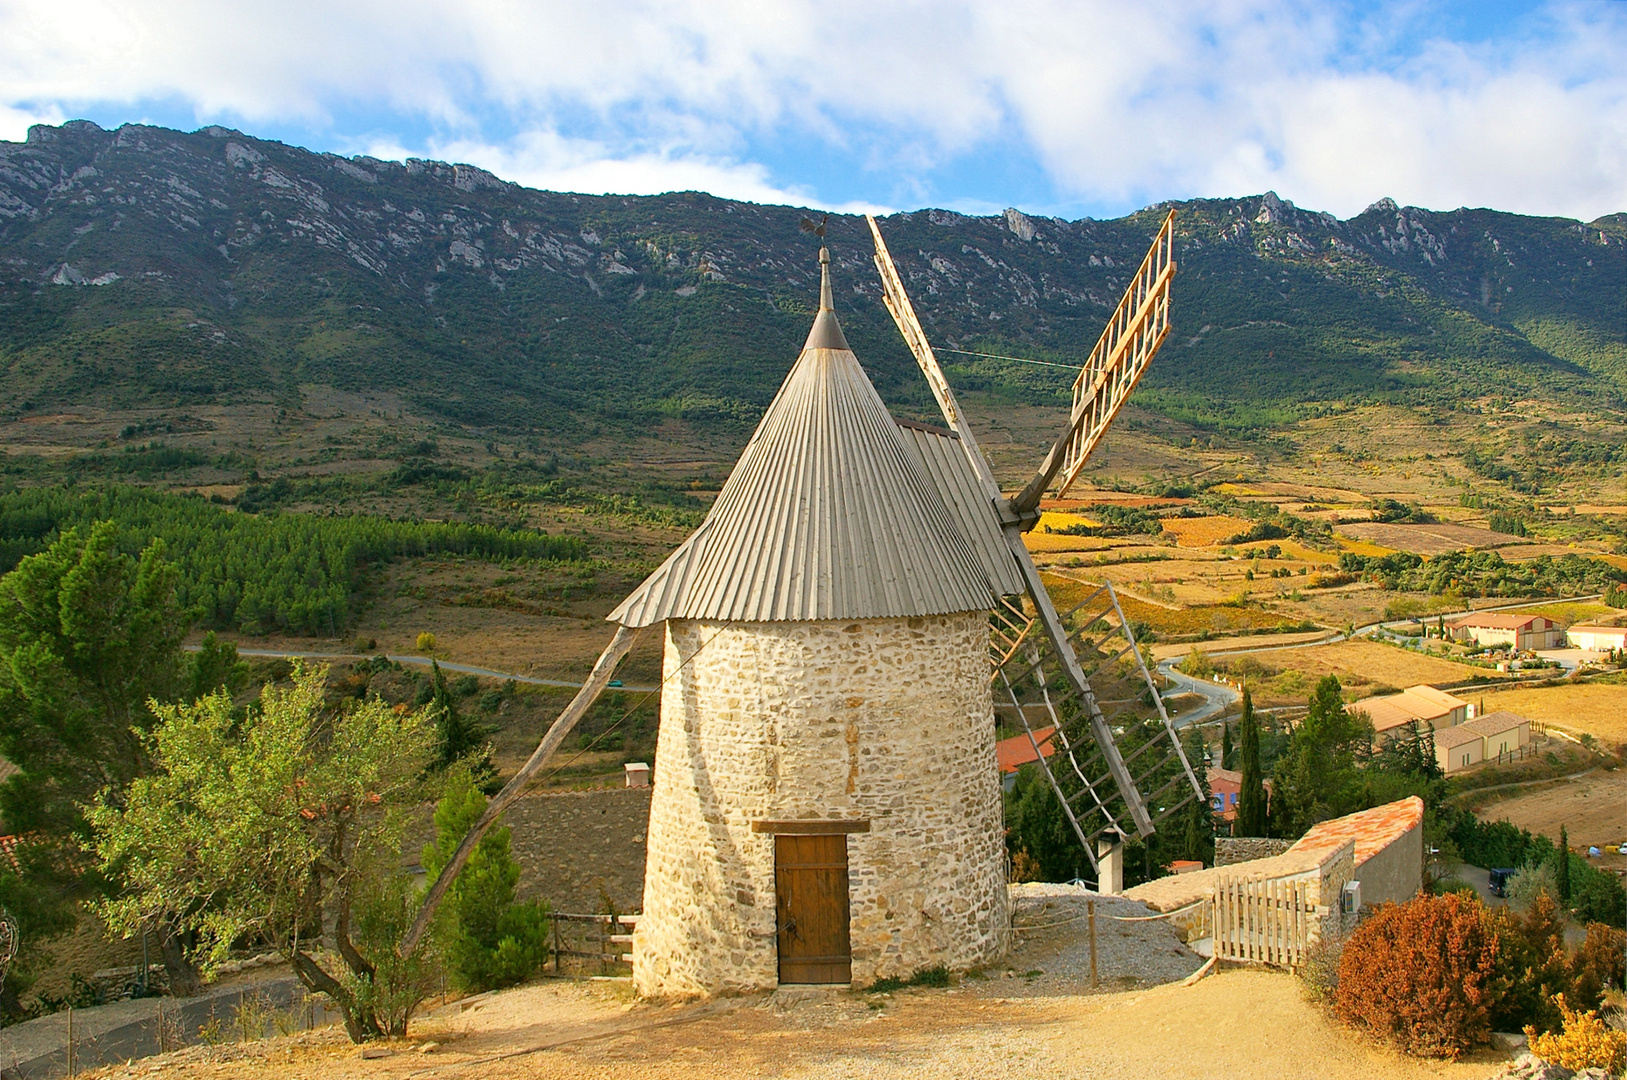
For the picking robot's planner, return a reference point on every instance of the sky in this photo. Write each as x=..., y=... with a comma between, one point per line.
x=1058, y=107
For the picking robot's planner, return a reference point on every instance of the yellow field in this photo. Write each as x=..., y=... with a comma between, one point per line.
x=1294, y=549
x=1595, y=708
x=1286, y=676
x=1058, y=519
x=1205, y=531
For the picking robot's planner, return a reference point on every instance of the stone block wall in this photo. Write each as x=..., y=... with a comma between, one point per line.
x=885, y=720
x=1236, y=849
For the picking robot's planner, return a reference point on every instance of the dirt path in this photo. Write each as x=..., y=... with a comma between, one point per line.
x=1233, y=1024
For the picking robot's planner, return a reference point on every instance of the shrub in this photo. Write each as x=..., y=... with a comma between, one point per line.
x=426, y=642
x=1585, y=1043
x=1532, y=965
x=1421, y=974
x=490, y=941
x=1598, y=964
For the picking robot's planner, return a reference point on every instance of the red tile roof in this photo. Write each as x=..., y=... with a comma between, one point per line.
x=1017, y=751
x=1372, y=830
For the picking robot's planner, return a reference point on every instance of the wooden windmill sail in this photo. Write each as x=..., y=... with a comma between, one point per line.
x=1117, y=764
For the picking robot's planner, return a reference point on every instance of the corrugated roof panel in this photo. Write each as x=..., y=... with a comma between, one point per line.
x=827, y=515
x=943, y=461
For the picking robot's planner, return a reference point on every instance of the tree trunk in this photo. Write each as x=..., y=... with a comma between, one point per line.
x=181, y=973
x=359, y=1028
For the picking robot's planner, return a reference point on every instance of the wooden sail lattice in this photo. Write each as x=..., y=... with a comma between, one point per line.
x=1032, y=695
x=1122, y=354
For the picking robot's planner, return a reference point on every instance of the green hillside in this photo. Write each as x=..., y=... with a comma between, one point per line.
x=152, y=268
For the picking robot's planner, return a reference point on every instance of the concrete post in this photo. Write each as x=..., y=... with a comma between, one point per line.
x=1109, y=867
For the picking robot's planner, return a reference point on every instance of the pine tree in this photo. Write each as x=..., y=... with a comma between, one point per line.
x=1228, y=755
x=1562, y=867
x=1251, y=801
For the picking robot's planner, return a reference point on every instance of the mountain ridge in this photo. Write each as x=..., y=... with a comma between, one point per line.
x=145, y=266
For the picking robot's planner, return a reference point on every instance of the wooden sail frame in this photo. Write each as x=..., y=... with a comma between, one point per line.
x=1122, y=354
x=1101, y=795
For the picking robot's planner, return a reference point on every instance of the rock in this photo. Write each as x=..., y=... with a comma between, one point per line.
x=429, y=1047
x=372, y=1051
x=1530, y=1067
x=1508, y=1041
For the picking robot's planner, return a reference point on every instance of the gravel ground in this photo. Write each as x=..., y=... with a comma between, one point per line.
x=1050, y=956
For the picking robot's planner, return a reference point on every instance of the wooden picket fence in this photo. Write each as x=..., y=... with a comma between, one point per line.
x=1262, y=921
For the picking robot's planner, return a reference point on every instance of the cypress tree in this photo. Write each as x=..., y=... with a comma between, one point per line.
x=1562, y=868
x=1228, y=756
x=1251, y=802
x=458, y=737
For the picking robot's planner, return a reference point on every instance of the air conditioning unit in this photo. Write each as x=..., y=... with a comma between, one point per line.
x=1350, y=898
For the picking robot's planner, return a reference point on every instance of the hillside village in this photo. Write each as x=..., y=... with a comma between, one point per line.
x=896, y=718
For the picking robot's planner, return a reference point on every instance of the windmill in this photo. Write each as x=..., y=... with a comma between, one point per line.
x=841, y=633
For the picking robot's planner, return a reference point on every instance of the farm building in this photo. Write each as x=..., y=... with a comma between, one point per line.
x=1597, y=638
x=826, y=803
x=1426, y=706
x=1492, y=737
x=1457, y=748
x=1520, y=632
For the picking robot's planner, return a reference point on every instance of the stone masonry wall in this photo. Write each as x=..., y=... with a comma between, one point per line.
x=888, y=720
x=1236, y=849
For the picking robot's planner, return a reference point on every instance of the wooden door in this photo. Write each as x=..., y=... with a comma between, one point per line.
x=810, y=878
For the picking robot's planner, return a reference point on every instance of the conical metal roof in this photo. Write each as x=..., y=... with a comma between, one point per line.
x=827, y=515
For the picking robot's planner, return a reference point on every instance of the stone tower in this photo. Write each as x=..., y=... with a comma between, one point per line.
x=826, y=805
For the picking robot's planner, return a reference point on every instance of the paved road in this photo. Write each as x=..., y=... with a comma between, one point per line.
x=425, y=661
x=1217, y=698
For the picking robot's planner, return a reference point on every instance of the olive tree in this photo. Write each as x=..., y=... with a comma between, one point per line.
x=281, y=826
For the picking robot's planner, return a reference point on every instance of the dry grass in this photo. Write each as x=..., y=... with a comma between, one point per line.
x=1598, y=709
x=1362, y=547
x=1588, y=806
x=1213, y=618
x=1053, y=543
x=1205, y=531
x=1427, y=539
x=1567, y=614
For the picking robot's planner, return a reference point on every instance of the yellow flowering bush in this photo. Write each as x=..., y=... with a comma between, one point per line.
x=1585, y=1043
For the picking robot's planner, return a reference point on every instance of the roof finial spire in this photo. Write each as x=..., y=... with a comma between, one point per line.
x=826, y=332
x=825, y=301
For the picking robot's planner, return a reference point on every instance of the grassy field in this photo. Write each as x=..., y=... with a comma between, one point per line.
x=1286, y=676
x=1599, y=709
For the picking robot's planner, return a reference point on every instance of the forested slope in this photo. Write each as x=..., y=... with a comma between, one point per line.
x=149, y=267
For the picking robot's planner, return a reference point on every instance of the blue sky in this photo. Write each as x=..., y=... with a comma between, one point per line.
x=1053, y=106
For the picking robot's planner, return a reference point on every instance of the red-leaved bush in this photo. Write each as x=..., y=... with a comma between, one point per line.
x=1421, y=974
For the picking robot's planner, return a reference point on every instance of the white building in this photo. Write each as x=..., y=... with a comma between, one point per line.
x=1597, y=638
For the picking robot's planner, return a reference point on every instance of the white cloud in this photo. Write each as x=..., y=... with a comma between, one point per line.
x=1118, y=103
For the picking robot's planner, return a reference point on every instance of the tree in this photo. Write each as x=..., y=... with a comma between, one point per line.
x=1228, y=755
x=489, y=940
x=1251, y=799
x=1037, y=828
x=1197, y=819
x=1562, y=867
x=1317, y=778
x=458, y=738
x=283, y=826
x=88, y=636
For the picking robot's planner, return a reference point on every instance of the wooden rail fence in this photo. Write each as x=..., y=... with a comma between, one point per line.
x=607, y=932
x=1262, y=921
